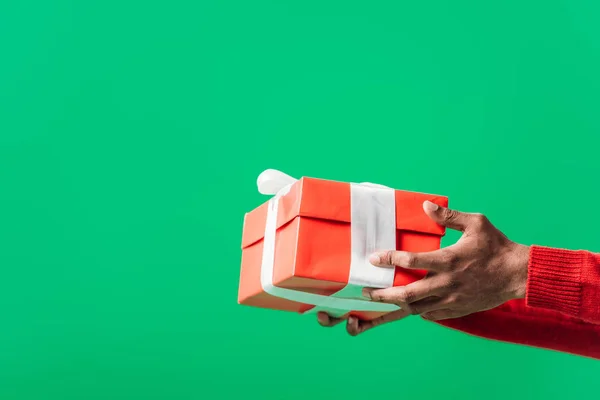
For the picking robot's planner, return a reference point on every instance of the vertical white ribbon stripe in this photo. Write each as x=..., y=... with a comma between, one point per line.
x=373, y=227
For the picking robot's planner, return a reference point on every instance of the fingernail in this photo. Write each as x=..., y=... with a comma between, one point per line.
x=351, y=320
x=366, y=293
x=375, y=259
x=429, y=206
x=426, y=316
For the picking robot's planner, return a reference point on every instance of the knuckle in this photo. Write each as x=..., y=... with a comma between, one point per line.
x=449, y=215
x=410, y=260
x=388, y=257
x=454, y=298
x=452, y=285
x=450, y=258
x=405, y=296
x=377, y=296
x=479, y=220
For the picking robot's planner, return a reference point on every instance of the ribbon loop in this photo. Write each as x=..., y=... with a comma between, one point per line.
x=271, y=181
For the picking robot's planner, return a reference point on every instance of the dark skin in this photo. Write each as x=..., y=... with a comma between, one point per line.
x=479, y=272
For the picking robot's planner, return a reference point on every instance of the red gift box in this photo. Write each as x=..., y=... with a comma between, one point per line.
x=316, y=231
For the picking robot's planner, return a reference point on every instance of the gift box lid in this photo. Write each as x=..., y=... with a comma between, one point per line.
x=330, y=200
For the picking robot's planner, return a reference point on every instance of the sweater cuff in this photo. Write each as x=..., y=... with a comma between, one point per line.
x=554, y=279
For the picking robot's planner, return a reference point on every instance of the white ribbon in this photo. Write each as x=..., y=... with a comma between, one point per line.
x=373, y=227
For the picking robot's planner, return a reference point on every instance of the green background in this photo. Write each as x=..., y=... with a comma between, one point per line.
x=131, y=135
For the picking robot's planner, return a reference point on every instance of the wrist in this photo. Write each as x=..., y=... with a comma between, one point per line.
x=518, y=262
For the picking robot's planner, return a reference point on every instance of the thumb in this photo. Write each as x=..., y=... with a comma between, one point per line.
x=444, y=216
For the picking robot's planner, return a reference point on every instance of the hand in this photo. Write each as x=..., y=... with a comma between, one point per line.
x=481, y=271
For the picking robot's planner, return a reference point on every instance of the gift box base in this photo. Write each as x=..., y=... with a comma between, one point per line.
x=306, y=252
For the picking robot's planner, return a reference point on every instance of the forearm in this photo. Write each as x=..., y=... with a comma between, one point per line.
x=561, y=310
x=566, y=281
x=515, y=322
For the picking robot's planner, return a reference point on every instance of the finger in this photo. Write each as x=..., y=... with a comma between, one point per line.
x=405, y=295
x=449, y=218
x=356, y=326
x=442, y=314
x=327, y=320
x=435, y=261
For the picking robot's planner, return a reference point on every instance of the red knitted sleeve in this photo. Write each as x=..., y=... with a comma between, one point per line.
x=565, y=280
x=561, y=311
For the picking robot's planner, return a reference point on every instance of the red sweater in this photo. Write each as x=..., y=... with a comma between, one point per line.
x=561, y=310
